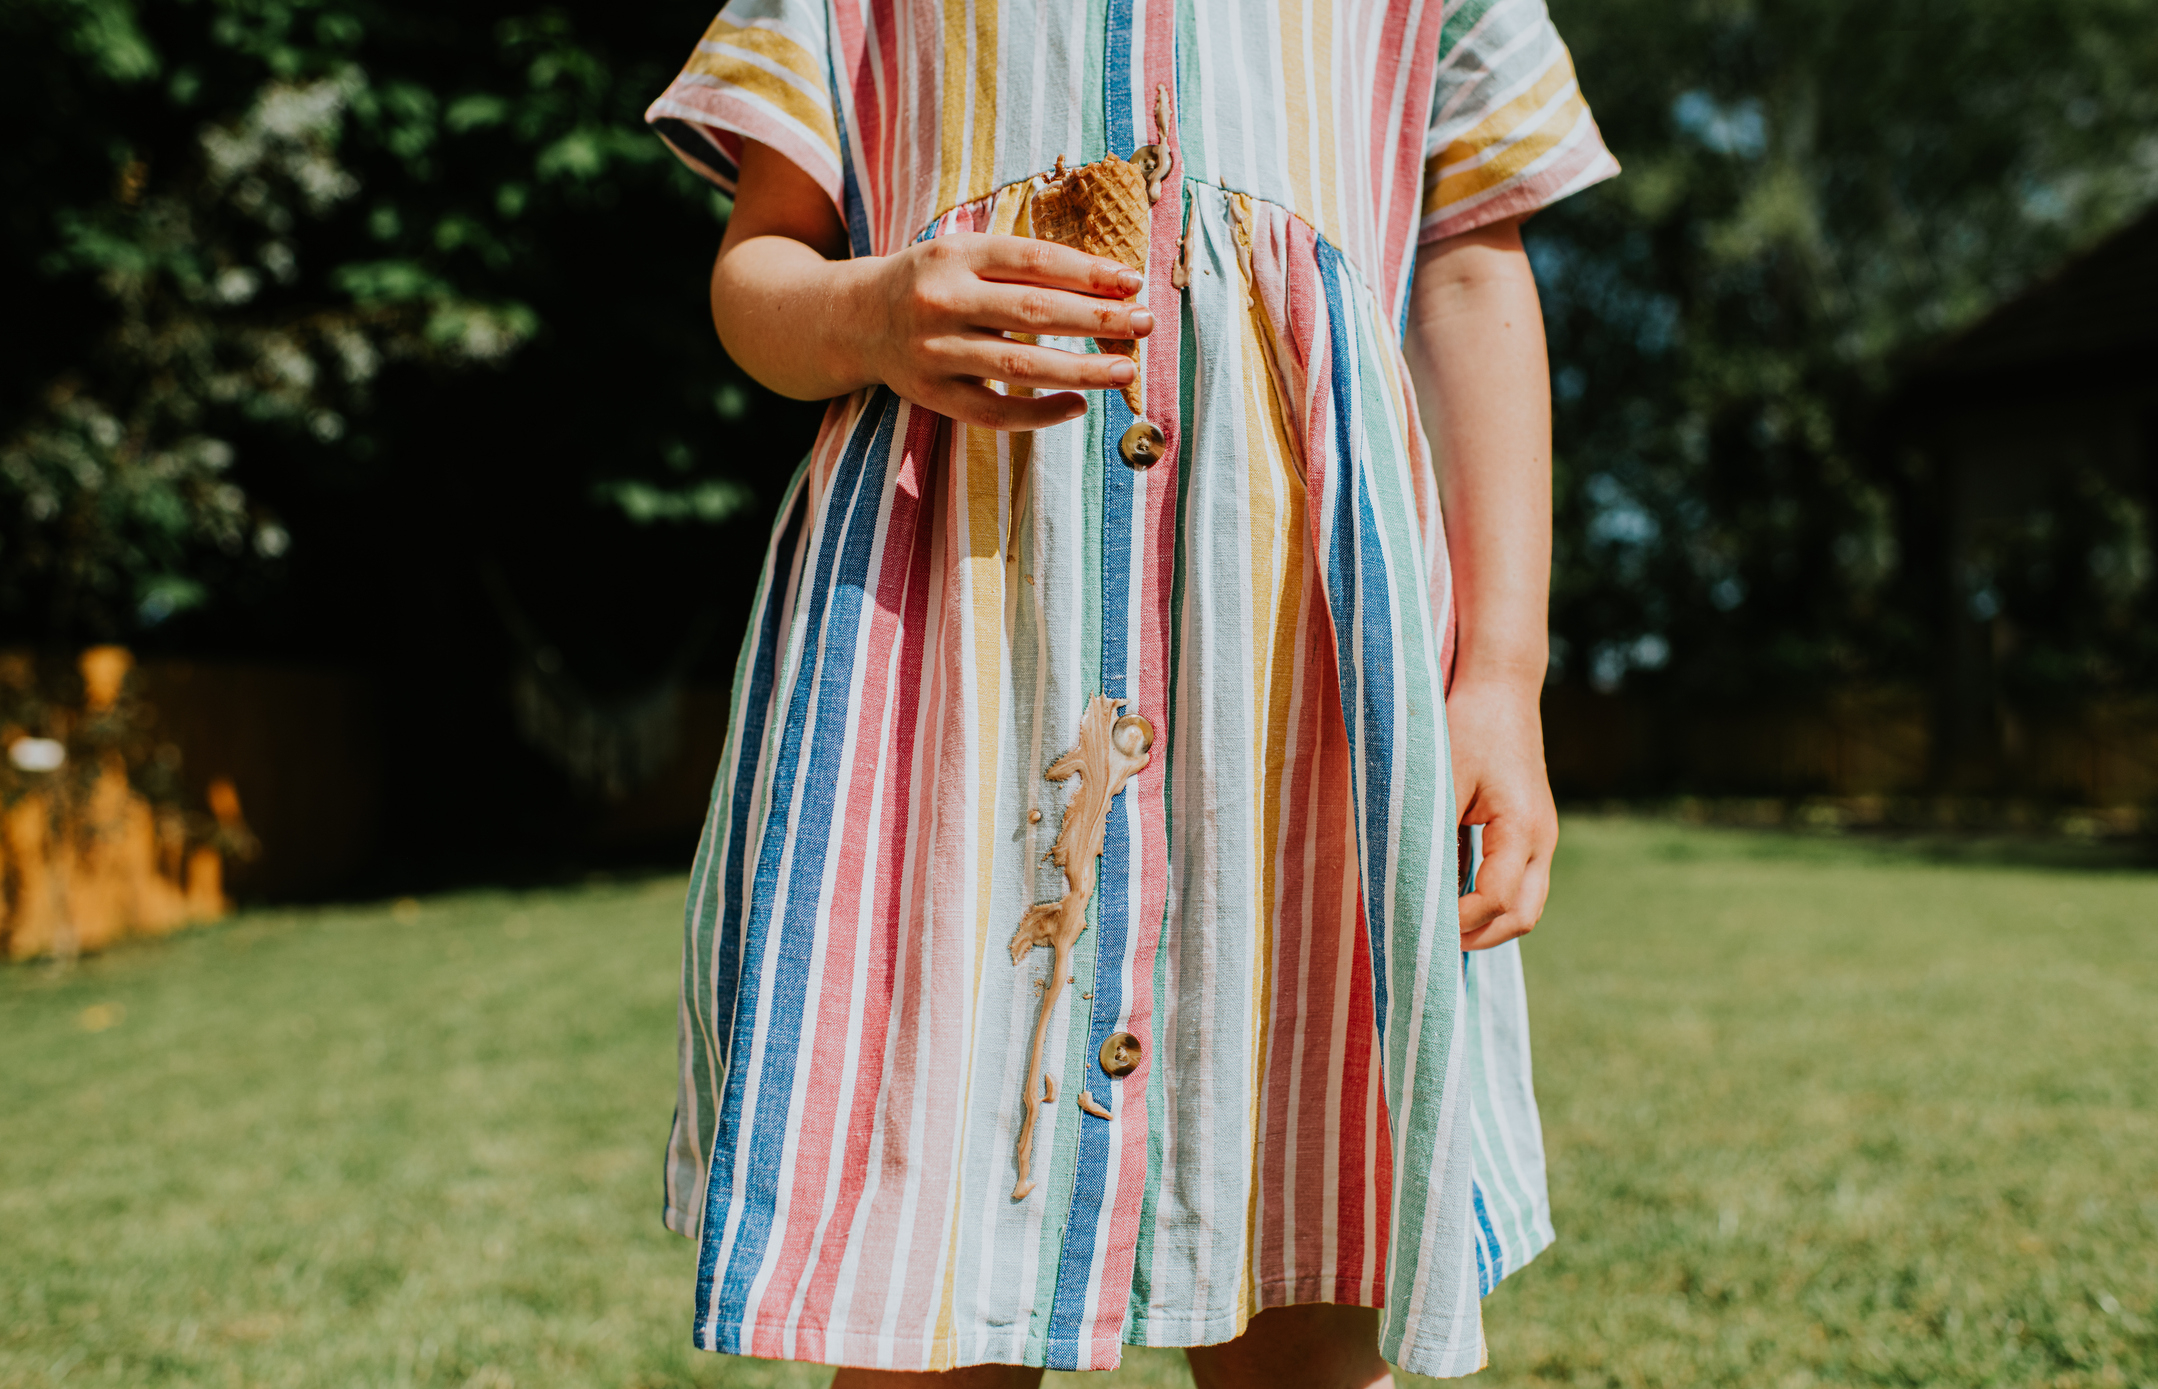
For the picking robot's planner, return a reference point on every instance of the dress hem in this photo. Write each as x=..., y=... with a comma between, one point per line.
x=870, y=1351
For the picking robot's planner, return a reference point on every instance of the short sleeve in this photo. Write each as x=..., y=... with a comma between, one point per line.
x=1509, y=131
x=760, y=72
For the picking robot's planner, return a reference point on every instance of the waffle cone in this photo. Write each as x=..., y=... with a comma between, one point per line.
x=1101, y=209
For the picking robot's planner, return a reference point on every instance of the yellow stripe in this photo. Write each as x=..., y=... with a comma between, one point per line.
x=985, y=98
x=1507, y=165
x=1495, y=127
x=770, y=44
x=1262, y=543
x=719, y=58
x=1276, y=579
x=1297, y=99
x=1323, y=117
x=984, y=451
x=952, y=107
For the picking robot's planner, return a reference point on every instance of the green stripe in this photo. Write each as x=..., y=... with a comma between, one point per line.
x=1058, y=1165
x=1093, y=134
x=1461, y=21
x=1420, y=716
x=1157, y=1095
x=1057, y=1145
x=1157, y=1103
x=1517, y=1231
x=1090, y=494
x=1190, y=91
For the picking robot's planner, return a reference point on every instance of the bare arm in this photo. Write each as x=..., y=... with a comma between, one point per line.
x=1476, y=354
x=930, y=321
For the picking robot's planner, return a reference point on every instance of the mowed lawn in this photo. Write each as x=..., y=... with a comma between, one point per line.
x=1820, y=1112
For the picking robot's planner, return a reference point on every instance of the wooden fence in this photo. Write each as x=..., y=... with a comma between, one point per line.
x=1850, y=743
x=301, y=750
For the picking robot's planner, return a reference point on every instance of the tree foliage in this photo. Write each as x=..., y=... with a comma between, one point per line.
x=1814, y=189
x=347, y=317
x=246, y=212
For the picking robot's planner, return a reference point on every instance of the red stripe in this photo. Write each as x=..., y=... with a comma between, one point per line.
x=1149, y=693
x=1407, y=148
x=1314, y=946
x=1335, y=910
x=1277, y=1127
x=943, y=935
x=861, y=116
x=1438, y=565
x=1356, y=1063
x=880, y=1239
x=902, y=598
x=926, y=48
x=726, y=115
x=1526, y=195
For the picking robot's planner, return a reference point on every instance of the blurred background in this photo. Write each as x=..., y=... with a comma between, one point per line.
x=378, y=517
x=359, y=386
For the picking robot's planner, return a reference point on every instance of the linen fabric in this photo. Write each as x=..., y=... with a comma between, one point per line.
x=1333, y=1103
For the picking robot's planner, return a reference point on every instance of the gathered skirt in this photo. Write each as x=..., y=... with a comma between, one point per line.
x=1330, y=1101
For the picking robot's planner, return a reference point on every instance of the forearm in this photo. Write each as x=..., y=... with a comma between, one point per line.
x=791, y=318
x=936, y=322
x=1476, y=354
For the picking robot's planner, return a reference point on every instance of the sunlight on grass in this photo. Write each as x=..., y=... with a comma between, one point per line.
x=1819, y=1114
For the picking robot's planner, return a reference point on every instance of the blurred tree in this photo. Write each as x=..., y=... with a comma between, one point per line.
x=1813, y=189
x=373, y=333
x=242, y=210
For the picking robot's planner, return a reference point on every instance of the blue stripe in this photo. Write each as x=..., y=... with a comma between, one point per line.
x=805, y=816
x=1489, y=1270
x=1116, y=82
x=1075, y=1255
x=1075, y=1258
x=698, y=150
x=852, y=206
x=756, y=708
x=1483, y=1269
x=1401, y=310
x=1358, y=598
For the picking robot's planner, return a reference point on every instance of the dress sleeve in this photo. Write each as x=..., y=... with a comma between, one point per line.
x=1509, y=131
x=762, y=72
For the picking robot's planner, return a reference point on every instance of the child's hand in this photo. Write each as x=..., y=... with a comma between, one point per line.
x=940, y=311
x=801, y=316
x=1499, y=782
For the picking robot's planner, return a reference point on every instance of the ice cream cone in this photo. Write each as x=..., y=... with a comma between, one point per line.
x=1100, y=209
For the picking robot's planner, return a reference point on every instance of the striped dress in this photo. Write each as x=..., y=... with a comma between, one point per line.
x=1331, y=1103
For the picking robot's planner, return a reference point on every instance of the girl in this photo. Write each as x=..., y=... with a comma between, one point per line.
x=1075, y=956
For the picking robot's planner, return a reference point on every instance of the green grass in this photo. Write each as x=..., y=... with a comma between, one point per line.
x=1819, y=1113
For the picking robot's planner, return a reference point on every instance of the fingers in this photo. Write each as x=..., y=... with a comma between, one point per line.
x=978, y=405
x=1057, y=313
x=1506, y=924
x=1498, y=892
x=1024, y=260
x=1512, y=884
x=1038, y=368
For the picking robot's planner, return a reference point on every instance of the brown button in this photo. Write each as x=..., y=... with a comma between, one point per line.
x=1143, y=444
x=1132, y=735
x=1120, y=1054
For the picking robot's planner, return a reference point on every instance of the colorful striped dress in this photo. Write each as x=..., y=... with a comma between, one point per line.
x=1330, y=1102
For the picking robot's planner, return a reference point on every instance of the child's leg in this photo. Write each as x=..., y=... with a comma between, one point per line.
x=1313, y=1346
x=972, y=1377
